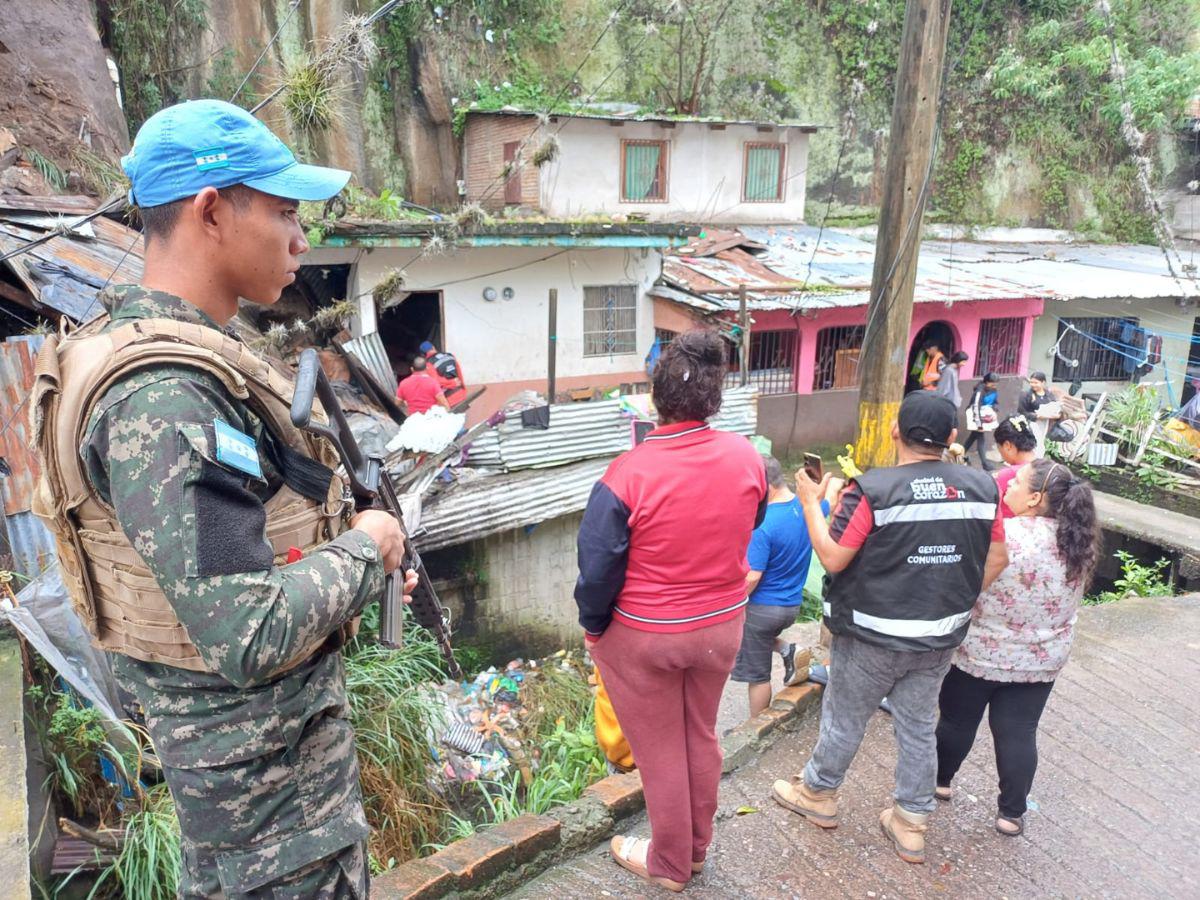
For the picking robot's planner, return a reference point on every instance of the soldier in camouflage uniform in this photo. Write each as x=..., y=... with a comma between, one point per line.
x=261, y=766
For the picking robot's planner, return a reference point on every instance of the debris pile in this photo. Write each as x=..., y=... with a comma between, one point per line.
x=491, y=722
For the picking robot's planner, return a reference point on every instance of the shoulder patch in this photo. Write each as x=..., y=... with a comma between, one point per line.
x=237, y=450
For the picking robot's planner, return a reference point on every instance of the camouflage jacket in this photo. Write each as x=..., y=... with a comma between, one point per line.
x=199, y=527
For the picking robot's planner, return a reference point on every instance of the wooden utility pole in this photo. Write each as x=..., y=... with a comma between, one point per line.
x=552, y=348
x=744, y=337
x=884, y=356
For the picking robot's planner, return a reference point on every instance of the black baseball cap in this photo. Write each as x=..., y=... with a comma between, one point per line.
x=925, y=418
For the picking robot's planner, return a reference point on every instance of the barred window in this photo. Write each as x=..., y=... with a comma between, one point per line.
x=609, y=320
x=999, y=348
x=772, y=362
x=1103, y=346
x=838, y=351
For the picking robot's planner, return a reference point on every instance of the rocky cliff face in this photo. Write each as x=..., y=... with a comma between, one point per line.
x=57, y=96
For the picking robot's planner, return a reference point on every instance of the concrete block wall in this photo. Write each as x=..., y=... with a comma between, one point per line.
x=483, y=158
x=530, y=580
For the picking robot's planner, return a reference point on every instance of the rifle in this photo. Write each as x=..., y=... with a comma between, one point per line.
x=372, y=488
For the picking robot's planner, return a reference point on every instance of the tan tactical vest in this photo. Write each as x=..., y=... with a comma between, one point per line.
x=112, y=590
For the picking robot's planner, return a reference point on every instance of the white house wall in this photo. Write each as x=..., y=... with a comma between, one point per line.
x=1162, y=317
x=503, y=343
x=704, y=172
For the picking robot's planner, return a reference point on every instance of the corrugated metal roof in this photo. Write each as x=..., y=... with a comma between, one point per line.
x=542, y=487
x=634, y=116
x=947, y=271
x=492, y=504
x=369, y=351
x=586, y=430
x=67, y=271
x=17, y=357
x=30, y=543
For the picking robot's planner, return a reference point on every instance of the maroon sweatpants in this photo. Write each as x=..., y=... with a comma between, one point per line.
x=665, y=690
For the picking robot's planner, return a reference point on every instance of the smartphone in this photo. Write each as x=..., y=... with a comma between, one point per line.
x=813, y=466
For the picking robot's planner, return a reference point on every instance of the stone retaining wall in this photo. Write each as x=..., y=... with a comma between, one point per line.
x=501, y=858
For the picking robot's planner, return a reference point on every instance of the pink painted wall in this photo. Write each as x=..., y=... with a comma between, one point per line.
x=964, y=318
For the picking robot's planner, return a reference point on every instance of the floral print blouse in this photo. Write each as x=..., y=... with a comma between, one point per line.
x=1022, y=626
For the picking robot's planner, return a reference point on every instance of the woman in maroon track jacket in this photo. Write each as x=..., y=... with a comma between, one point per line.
x=661, y=596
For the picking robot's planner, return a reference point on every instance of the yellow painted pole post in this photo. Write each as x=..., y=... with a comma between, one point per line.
x=884, y=357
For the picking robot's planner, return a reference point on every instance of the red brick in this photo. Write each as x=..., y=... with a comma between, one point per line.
x=621, y=794
x=476, y=859
x=797, y=697
x=530, y=835
x=767, y=721
x=419, y=879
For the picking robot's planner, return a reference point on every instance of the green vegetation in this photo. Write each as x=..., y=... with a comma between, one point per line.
x=393, y=715
x=150, y=40
x=148, y=865
x=1137, y=580
x=47, y=168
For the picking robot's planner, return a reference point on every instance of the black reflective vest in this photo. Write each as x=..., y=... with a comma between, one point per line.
x=913, y=583
x=444, y=364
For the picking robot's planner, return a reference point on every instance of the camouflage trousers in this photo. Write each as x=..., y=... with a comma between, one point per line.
x=288, y=824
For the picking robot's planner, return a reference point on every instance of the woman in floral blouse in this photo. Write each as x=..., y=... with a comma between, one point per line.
x=1021, y=633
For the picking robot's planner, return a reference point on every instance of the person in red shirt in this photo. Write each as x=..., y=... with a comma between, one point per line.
x=420, y=392
x=662, y=596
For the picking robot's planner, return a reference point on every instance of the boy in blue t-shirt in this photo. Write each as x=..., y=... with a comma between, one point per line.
x=779, y=556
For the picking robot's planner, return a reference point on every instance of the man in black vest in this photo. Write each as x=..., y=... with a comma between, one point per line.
x=447, y=371
x=909, y=549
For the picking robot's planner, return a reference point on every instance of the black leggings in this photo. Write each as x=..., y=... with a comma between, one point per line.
x=1014, y=709
x=981, y=437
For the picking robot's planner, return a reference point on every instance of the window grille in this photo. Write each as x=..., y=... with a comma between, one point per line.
x=772, y=362
x=609, y=320
x=999, y=348
x=763, y=180
x=644, y=171
x=838, y=351
x=1103, y=346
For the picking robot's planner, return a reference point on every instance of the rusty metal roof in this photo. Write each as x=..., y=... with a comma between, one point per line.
x=66, y=273
x=837, y=271
x=17, y=357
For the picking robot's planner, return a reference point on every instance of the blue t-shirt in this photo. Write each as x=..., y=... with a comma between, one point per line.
x=781, y=550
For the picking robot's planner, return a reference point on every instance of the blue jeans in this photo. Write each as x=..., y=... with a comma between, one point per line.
x=860, y=676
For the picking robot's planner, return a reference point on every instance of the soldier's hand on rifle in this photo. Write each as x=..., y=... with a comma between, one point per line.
x=384, y=530
x=410, y=584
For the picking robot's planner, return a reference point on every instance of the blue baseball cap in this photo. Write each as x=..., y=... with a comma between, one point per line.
x=187, y=147
x=426, y=346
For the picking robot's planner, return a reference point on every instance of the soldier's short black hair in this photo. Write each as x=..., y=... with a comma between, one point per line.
x=159, y=221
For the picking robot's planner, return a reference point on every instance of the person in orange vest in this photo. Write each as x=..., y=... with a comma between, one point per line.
x=935, y=361
x=447, y=371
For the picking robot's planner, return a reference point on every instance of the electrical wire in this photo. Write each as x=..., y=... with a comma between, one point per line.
x=919, y=206
x=518, y=161
x=271, y=43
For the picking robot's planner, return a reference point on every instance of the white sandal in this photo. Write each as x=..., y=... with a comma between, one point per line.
x=623, y=850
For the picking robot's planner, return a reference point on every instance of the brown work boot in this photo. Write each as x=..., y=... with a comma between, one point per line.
x=906, y=830
x=819, y=807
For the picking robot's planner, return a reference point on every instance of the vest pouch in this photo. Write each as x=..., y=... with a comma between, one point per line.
x=293, y=521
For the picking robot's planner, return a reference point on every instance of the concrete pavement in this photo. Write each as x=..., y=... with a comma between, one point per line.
x=1113, y=804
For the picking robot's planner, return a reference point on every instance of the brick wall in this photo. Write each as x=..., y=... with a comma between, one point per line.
x=483, y=159
x=530, y=580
